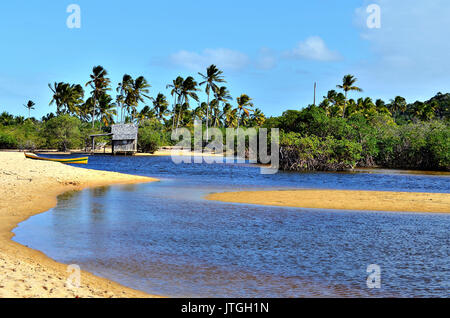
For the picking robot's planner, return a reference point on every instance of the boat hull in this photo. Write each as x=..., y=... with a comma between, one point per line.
x=81, y=161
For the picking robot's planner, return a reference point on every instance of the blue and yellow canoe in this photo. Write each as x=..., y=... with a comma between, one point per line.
x=81, y=161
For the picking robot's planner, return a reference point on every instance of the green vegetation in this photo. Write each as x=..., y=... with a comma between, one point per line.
x=77, y=117
x=340, y=133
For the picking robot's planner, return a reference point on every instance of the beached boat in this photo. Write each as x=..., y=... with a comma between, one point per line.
x=83, y=160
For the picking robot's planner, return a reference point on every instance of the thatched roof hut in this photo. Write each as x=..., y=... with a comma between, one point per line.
x=124, y=138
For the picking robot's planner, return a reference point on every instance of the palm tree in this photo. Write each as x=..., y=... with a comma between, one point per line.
x=29, y=106
x=175, y=92
x=181, y=111
x=424, y=111
x=229, y=115
x=99, y=84
x=67, y=98
x=146, y=113
x=188, y=90
x=258, y=117
x=398, y=104
x=123, y=88
x=106, y=109
x=85, y=110
x=140, y=91
x=57, y=90
x=199, y=112
x=215, y=113
x=244, y=106
x=381, y=107
x=136, y=93
x=348, y=85
x=213, y=76
x=160, y=106
x=222, y=95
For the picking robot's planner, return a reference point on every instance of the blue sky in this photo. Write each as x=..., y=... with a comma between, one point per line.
x=271, y=50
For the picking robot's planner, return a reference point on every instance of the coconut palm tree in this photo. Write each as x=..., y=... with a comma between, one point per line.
x=229, y=115
x=175, y=92
x=123, y=88
x=100, y=84
x=381, y=107
x=222, y=95
x=348, y=85
x=212, y=77
x=215, y=113
x=188, y=90
x=67, y=98
x=199, y=112
x=138, y=93
x=29, y=106
x=397, y=105
x=59, y=97
x=106, y=109
x=145, y=113
x=244, y=106
x=181, y=112
x=160, y=106
x=85, y=109
x=258, y=117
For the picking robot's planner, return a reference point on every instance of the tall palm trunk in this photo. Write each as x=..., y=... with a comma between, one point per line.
x=174, y=111
x=207, y=119
x=179, y=114
x=238, y=121
x=93, y=110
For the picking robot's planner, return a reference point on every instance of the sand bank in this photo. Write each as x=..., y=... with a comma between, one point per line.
x=343, y=200
x=30, y=187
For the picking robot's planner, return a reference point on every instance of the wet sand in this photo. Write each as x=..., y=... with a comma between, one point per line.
x=29, y=187
x=342, y=200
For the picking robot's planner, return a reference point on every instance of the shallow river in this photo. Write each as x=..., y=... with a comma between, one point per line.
x=164, y=238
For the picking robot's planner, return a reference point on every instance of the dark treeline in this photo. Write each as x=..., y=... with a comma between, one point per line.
x=341, y=133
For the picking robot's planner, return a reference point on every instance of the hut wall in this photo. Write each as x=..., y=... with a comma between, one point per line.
x=125, y=145
x=124, y=138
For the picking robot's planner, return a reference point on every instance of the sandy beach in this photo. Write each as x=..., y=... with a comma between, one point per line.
x=29, y=187
x=343, y=200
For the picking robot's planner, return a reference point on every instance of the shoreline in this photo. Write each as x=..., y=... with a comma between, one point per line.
x=381, y=201
x=30, y=187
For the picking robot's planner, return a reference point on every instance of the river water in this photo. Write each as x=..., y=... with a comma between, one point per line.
x=165, y=239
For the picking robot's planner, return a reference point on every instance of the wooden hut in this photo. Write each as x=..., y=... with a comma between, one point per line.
x=124, y=138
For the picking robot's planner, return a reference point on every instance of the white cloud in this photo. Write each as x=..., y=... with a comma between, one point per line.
x=223, y=58
x=313, y=48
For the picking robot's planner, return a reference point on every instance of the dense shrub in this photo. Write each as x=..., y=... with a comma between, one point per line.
x=422, y=145
x=63, y=132
x=152, y=136
x=7, y=141
x=315, y=153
